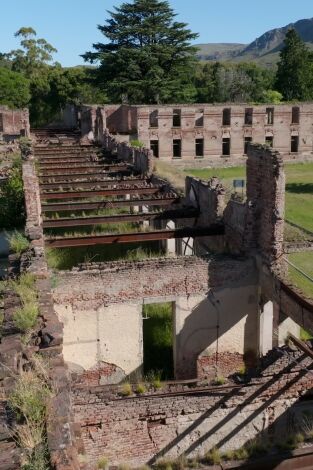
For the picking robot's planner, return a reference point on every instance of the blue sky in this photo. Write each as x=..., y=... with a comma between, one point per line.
x=70, y=25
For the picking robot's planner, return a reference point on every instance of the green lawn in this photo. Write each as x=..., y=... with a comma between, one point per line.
x=299, y=189
x=303, y=261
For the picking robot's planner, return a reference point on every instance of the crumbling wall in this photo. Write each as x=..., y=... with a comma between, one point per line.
x=141, y=158
x=257, y=225
x=214, y=300
x=13, y=123
x=139, y=430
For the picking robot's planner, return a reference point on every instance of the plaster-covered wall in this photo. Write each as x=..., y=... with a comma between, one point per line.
x=102, y=311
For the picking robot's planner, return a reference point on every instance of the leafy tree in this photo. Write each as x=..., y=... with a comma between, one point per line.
x=34, y=54
x=294, y=78
x=148, y=57
x=243, y=82
x=14, y=89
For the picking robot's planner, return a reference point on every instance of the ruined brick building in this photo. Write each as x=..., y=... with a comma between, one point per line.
x=13, y=123
x=210, y=134
x=222, y=271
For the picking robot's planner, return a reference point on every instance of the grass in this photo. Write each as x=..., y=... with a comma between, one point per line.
x=157, y=340
x=126, y=390
x=17, y=242
x=303, y=261
x=171, y=174
x=67, y=258
x=25, y=318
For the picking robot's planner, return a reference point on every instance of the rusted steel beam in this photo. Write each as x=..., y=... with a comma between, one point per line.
x=301, y=345
x=62, y=242
x=115, y=184
x=70, y=160
x=101, y=192
x=67, y=177
x=60, y=169
x=88, y=206
x=109, y=219
x=305, y=303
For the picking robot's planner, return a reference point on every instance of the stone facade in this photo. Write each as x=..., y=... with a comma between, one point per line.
x=214, y=134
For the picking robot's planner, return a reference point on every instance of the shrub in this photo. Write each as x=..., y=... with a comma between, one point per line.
x=18, y=243
x=219, y=380
x=25, y=317
x=102, y=463
x=25, y=288
x=126, y=390
x=141, y=388
x=137, y=143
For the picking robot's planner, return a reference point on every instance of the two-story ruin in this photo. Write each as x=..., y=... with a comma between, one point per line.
x=210, y=133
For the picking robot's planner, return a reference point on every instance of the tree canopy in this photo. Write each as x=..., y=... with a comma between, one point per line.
x=14, y=89
x=294, y=77
x=148, y=57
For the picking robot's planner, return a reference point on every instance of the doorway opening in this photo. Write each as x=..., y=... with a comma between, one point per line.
x=158, y=340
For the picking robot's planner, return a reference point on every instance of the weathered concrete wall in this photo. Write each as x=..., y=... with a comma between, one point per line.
x=13, y=123
x=96, y=305
x=139, y=430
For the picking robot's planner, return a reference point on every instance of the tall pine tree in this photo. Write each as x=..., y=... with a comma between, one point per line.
x=148, y=57
x=294, y=78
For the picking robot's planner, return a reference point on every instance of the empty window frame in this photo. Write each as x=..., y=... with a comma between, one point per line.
x=248, y=116
x=269, y=116
x=247, y=140
x=1, y=123
x=154, y=146
x=269, y=140
x=226, y=116
x=177, y=148
x=199, y=118
x=154, y=118
x=199, y=148
x=295, y=117
x=294, y=144
x=226, y=146
x=176, y=117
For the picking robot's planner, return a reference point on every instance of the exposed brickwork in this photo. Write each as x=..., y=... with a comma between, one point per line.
x=137, y=429
x=222, y=364
x=123, y=281
x=15, y=123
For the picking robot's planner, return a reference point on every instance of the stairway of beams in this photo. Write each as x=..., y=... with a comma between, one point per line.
x=84, y=189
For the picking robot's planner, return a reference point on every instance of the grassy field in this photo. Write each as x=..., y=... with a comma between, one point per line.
x=299, y=189
x=304, y=261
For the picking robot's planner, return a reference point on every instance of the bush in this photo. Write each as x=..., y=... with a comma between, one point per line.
x=12, y=213
x=102, y=463
x=140, y=389
x=126, y=390
x=137, y=143
x=219, y=380
x=25, y=288
x=25, y=318
x=18, y=243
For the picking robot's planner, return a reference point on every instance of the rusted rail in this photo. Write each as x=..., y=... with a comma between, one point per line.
x=50, y=170
x=91, y=184
x=66, y=177
x=109, y=219
x=63, y=242
x=301, y=345
x=87, y=206
x=102, y=192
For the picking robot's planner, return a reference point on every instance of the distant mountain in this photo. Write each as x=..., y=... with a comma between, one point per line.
x=264, y=50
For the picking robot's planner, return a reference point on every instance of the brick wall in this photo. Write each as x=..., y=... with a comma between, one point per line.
x=14, y=122
x=137, y=430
